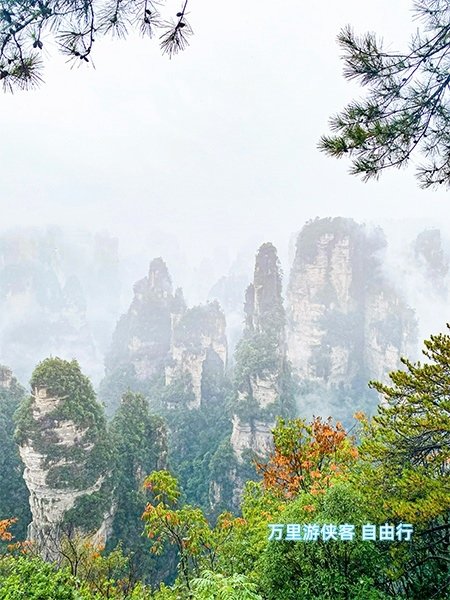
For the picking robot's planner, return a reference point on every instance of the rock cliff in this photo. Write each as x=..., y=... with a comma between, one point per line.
x=160, y=338
x=229, y=291
x=432, y=260
x=142, y=336
x=262, y=378
x=61, y=432
x=346, y=324
x=198, y=348
x=140, y=348
x=51, y=285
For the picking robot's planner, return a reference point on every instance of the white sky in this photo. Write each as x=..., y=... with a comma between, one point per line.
x=216, y=146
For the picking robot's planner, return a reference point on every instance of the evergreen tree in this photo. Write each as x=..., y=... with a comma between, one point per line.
x=406, y=451
x=196, y=435
x=75, y=28
x=406, y=111
x=140, y=444
x=409, y=438
x=13, y=491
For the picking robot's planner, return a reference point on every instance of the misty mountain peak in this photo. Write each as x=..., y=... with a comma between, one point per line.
x=5, y=377
x=159, y=278
x=263, y=301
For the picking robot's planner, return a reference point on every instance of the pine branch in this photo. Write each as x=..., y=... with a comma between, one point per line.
x=75, y=25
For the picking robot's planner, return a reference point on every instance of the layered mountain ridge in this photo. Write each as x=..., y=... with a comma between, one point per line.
x=308, y=349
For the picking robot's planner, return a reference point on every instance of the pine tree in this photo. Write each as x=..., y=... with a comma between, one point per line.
x=13, y=491
x=406, y=451
x=76, y=26
x=405, y=112
x=139, y=439
x=409, y=438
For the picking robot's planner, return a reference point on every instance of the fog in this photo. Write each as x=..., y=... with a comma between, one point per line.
x=202, y=158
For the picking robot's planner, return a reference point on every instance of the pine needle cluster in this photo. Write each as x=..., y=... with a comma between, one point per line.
x=27, y=27
x=406, y=112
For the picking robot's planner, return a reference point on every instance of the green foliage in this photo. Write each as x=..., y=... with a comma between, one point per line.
x=178, y=394
x=195, y=434
x=406, y=453
x=89, y=459
x=167, y=593
x=139, y=440
x=185, y=528
x=106, y=575
x=62, y=380
x=195, y=323
x=117, y=383
x=324, y=570
x=13, y=491
x=89, y=510
x=85, y=574
x=409, y=438
x=195, y=437
x=241, y=552
x=256, y=354
x=405, y=111
x=24, y=30
x=215, y=386
x=260, y=354
x=164, y=487
x=220, y=464
x=33, y=579
x=215, y=586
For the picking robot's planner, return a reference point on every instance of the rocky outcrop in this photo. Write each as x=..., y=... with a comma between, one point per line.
x=198, y=347
x=63, y=444
x=6, y=377
x=140, y=349
x=51, y=282
x=253, y=435
x=262, y=375
x=229, y=291
x=142, y=336
x=390, y=332
x=432, y=260
x=160, y=336
x=346, y=324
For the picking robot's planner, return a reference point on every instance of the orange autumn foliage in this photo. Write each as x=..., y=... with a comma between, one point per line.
x=307, y=457
x=5, y=534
